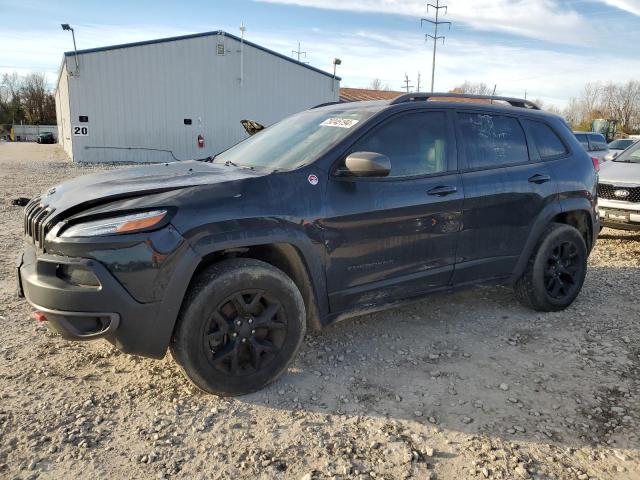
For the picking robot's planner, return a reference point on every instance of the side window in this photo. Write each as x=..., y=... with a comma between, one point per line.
x=598, y=143
x=546, y=140
x=416, y=143
x=492, y=140
x=582, y=138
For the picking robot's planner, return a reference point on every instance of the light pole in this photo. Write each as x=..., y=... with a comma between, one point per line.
x=336, y=62
x=66, y=26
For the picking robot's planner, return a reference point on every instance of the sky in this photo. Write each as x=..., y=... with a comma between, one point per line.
x=546, y=48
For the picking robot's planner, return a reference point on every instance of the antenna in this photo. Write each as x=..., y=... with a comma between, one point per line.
x=435, y=36
x=406, y=85
x=299, y=52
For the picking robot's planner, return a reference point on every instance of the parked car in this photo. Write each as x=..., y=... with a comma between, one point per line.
x=331, y=213
x=594, y=143
x=46, y=137
x=618, y=146
x=619, y=190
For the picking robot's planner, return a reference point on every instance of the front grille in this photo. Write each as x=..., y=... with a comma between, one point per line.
x=608, y=191
x=35, y=221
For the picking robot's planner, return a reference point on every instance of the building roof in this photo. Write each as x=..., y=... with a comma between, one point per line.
x=197, y=35
x=364, y=94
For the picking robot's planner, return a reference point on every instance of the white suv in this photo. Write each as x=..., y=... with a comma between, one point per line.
x=619, y=190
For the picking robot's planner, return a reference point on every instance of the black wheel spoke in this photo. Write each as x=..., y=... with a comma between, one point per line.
x=225, y=353
x=266, y=319
x=221, y=322
x=240, y=304
x=246, y=332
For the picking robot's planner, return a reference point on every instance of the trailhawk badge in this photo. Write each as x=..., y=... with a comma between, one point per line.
x=313, y=179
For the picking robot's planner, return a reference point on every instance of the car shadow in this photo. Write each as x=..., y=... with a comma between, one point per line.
x=478, y=362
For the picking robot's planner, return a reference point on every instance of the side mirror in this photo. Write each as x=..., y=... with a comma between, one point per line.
x=367, y=164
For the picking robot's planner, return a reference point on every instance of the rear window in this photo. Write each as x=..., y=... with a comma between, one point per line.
x=582, y=138
x=546, y=140
x=597, y=142
x=492, y=140
x=621, y=144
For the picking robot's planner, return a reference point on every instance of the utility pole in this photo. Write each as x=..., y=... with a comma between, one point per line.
x=406, y=85
x=299, y=52
x=435, y=36
x=418, y=87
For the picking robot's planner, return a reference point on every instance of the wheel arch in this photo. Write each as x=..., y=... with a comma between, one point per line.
x=291, y=260
x=577, y=213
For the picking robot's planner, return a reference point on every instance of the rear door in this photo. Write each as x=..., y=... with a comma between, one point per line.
x=394, y=237
x=506, y=187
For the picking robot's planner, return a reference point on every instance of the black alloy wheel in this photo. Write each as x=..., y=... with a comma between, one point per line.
x=246, y=332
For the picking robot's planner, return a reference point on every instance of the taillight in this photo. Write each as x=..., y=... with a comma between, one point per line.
x=596, y=163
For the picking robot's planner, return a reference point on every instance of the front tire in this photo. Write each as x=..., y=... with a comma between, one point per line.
x=240, y=326
x=555, y=273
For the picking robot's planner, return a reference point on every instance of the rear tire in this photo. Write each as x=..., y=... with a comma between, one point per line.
x=556, y=270
x=240, y=326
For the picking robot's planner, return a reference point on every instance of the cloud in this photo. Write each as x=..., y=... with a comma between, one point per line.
x=631, y=6
x=543, y=73
x=539, y=19
x=25, y=51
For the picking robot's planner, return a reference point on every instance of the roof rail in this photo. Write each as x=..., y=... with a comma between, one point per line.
x=415, y=97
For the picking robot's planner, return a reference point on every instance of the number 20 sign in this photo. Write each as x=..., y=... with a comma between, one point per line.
x=80, y=131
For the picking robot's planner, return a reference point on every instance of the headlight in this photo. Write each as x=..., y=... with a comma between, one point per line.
x=116, y=225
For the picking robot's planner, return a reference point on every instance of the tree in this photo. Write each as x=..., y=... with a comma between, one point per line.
x=10, y=99
x=471, y=88
x=376, y=84
x=38, y=102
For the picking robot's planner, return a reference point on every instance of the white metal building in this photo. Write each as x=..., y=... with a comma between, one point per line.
x=177, y=98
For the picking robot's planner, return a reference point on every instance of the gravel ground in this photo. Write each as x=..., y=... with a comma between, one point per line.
x=466, y=385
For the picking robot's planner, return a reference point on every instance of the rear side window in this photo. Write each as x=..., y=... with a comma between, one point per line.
x=582, y=138
x=416, y=143
x=492, y=140
x=546, y=140
x=598, y=143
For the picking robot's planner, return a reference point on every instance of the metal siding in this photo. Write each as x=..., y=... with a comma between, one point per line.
x=139, y=96
x=62, y=111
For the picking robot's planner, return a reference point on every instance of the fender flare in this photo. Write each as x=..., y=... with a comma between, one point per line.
x=547, y=215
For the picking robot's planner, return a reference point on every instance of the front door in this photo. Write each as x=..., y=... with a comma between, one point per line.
x=395, y=237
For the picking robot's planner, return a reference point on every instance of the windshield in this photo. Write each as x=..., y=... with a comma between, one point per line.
x=630, y=155
x=296, y=140
x=621, y=144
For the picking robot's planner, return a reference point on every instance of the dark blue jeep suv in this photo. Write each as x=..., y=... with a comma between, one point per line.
x=333, y=212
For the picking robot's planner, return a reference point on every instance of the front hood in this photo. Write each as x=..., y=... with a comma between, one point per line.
x=121, y=183
x=620, y=173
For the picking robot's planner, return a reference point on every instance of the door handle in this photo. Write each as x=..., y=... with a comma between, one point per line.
x=539, y=178
x=442, y=190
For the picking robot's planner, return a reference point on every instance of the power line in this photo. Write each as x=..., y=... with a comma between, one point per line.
x=435, y=36
x=299, y=52
x=406, y=85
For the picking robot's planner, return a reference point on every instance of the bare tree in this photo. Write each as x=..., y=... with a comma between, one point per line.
x=473, y=88
x=38, y=103
x=10, y=98
x=376, y=84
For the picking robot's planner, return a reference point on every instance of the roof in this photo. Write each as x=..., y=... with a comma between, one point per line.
x=198, y=35
x=365, y=94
